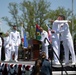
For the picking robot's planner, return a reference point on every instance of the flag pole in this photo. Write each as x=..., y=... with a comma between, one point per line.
x=1, y=26
x=72, y=21
x=22, y=38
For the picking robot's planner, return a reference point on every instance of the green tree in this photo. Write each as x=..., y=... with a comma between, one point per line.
x=73, y=26
x=32, y=13
x=59, y=11
x=29, y=13
x=13, y=10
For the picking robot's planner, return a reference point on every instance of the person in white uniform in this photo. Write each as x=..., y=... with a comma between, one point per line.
x=0, y=46
x=15, y=42
x=7, y=47
x=44, y=40
x=56, y=40
x=67, y=41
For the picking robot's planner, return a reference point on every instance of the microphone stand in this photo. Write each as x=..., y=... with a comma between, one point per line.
x=58, y=59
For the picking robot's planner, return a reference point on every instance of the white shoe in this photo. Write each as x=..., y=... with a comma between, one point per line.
x=16, y=60
x=63, y=63
x=5, y=60
x=57, y=63
x=73, y=63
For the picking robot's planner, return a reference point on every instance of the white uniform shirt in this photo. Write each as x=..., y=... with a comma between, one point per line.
x=56, y=28
x=44, y=35
x=6, y=42
x=15, y=39
x=65, y=32
x=61, y=27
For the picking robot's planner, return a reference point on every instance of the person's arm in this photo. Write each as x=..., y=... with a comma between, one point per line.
x=0, y=42
x=42, y=36
x=10, y=40
x=19, y=39
x=65, y=28
x=55, y=28
x=62, y=21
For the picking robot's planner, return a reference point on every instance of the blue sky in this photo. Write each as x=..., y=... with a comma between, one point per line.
x=54, y=5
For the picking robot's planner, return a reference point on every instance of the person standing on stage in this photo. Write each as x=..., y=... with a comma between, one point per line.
x=67, y=41
x=15, y=41
x=44, y=40
x=56, y=40
x=7, y=47
x=0, y=45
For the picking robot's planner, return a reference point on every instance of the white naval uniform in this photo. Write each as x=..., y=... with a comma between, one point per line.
x=0, y=47
x=15, y=41
x=7, y=48
x=45, y=43
x=67, y=42
x=56, y=41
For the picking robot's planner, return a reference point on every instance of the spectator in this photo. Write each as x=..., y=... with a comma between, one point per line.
x=42, y=66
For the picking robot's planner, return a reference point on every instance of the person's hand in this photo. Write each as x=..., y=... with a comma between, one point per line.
x=9, y=44
x=69, y=22
x=51, y=21
x=50, y=41
x=44, y=40
x=52, y=31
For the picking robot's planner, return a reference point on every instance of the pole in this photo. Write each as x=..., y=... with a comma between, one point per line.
x=72, y=21
x=0, y=26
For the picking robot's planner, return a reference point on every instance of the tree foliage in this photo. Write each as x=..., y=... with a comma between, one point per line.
x=59, y=11
x=29, y=13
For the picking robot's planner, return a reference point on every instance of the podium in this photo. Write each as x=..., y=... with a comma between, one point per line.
x=35, y=48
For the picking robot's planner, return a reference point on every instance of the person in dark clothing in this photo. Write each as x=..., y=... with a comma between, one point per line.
x=46, y=65
x=2, y=48
x=36, y=68
x=42, y=66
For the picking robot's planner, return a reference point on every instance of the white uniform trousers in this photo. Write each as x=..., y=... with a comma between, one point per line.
x=56, y=48
x=15, y=51
x=7, y=54
x=45, y=49
x=0, y=53
x=68, y=46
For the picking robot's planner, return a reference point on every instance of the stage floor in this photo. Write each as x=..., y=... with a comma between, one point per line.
x=33, y=62
x=19, y=62
x=56, y=69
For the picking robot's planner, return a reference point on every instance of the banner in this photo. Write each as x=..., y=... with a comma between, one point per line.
x=38, y=33
x=15, y=69
x=23, y=38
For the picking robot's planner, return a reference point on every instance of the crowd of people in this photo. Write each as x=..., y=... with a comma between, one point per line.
x=60, y=32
